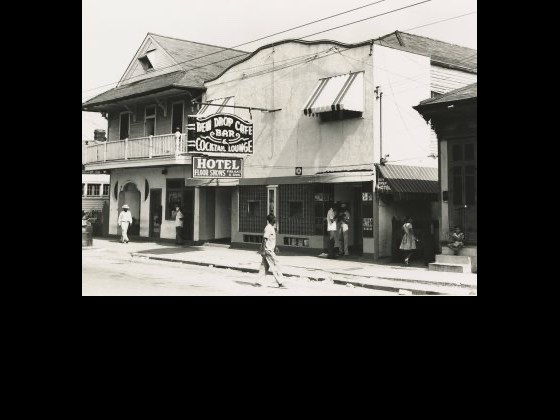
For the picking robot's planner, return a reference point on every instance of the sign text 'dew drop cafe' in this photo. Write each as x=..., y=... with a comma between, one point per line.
x=219, y=133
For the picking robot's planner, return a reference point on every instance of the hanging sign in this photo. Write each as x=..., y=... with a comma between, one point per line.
x=219, y=133
x=382, y=185
x=209, y=167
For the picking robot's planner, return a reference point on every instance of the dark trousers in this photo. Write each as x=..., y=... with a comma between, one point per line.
x=332, y=234
x=178, y=235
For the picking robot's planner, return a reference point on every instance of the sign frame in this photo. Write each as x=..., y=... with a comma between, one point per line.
x=222, y=133
x=211, y=175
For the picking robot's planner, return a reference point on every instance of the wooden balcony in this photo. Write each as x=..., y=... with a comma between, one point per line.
x=166, y=149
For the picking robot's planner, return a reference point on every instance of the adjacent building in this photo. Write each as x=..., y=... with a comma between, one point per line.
x=454, y=118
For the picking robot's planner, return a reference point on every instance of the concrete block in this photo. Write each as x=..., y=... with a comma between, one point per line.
x=450, y=268
x=453, y=259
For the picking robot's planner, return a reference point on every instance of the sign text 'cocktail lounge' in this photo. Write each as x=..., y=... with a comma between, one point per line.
x=219, y=133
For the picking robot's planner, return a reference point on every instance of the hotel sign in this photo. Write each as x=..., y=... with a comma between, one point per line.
x=207, y=167
x=219, y=133
x=382, y=185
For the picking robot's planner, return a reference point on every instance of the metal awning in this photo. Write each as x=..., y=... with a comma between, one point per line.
x=215, y=106
x=409, y=181
x=345, y=92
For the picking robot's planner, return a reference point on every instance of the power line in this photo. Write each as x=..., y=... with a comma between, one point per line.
x=439, y=21
x=259, y=39
x=307, y=36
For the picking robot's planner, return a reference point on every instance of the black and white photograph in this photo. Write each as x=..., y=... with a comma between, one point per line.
x=286, y=148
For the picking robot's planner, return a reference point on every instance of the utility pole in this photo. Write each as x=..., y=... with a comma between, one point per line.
x=375, y=197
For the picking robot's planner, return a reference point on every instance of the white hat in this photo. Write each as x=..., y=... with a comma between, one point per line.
x=125, y=206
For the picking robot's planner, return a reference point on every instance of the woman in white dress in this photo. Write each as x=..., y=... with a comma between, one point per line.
x=408, y=243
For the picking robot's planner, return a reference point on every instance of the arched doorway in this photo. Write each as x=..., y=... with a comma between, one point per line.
x=131, y=195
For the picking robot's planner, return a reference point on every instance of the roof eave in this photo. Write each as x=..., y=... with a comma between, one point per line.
x=137, y=95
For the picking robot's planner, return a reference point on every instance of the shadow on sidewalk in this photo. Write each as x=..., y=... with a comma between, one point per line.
x=171, y=250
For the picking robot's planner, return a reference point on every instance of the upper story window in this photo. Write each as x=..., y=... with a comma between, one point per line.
x=146, y=62
x=106, y=189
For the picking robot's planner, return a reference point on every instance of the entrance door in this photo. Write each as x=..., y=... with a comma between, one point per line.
x=131, y=195
x=155, y=213
x=188, y=211
x=463, y=186
x=177, y=118
x=358, y=247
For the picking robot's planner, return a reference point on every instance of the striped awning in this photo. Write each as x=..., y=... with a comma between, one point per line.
x=410, y=179
x=345, y=92
x=217, y=106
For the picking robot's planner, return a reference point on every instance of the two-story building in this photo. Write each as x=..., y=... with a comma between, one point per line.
x=454, y=118
x=322, y=114
x=147, y=160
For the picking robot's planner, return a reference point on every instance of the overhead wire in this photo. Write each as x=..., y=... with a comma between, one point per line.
x=300, y=38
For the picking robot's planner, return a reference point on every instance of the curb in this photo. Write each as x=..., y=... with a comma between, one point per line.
x=343, y=282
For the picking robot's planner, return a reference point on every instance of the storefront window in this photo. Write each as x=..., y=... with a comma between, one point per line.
x=253, y=208
x=296, y=209
x=174, y=196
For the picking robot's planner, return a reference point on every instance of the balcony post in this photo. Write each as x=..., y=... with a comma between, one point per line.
x=105, y=152
x=177, y=137
x=86, y=154
x=126, y=149
x=151, y=147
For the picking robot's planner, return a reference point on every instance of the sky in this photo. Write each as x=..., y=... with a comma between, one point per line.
x=112, y=30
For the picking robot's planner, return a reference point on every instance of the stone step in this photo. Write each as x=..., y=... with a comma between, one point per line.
x=450, y=268
x=468, y=251
x=453, y=259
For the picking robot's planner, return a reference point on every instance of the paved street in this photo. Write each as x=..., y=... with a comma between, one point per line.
x=106, y=272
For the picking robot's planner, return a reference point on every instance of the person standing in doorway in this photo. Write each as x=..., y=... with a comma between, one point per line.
x=124, y=221
x=408, y=243
x=178, y=225
x=331, y=229
x=344, y=220
x=268, y=253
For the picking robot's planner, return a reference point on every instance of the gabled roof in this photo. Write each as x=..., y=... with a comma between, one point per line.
x=441, y=53
x=196, y=62
x=466, y=92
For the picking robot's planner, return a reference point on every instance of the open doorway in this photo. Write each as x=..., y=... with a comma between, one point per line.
x=156, y=213
x=131, y=195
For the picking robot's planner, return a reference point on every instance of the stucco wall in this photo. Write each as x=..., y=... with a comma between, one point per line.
x=156, y=180
x=287, y=138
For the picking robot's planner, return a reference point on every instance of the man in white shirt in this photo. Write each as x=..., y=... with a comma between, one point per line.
x=124, y=221
x=331, y=229
x=269, y=259
x=178, y=225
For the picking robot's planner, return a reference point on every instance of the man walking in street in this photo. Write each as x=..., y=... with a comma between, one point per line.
x=178, y=225
x=124, y=221
x=268, y=253
x=331, y=229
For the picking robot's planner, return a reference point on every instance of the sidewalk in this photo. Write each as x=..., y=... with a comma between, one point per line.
x=358, y=272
